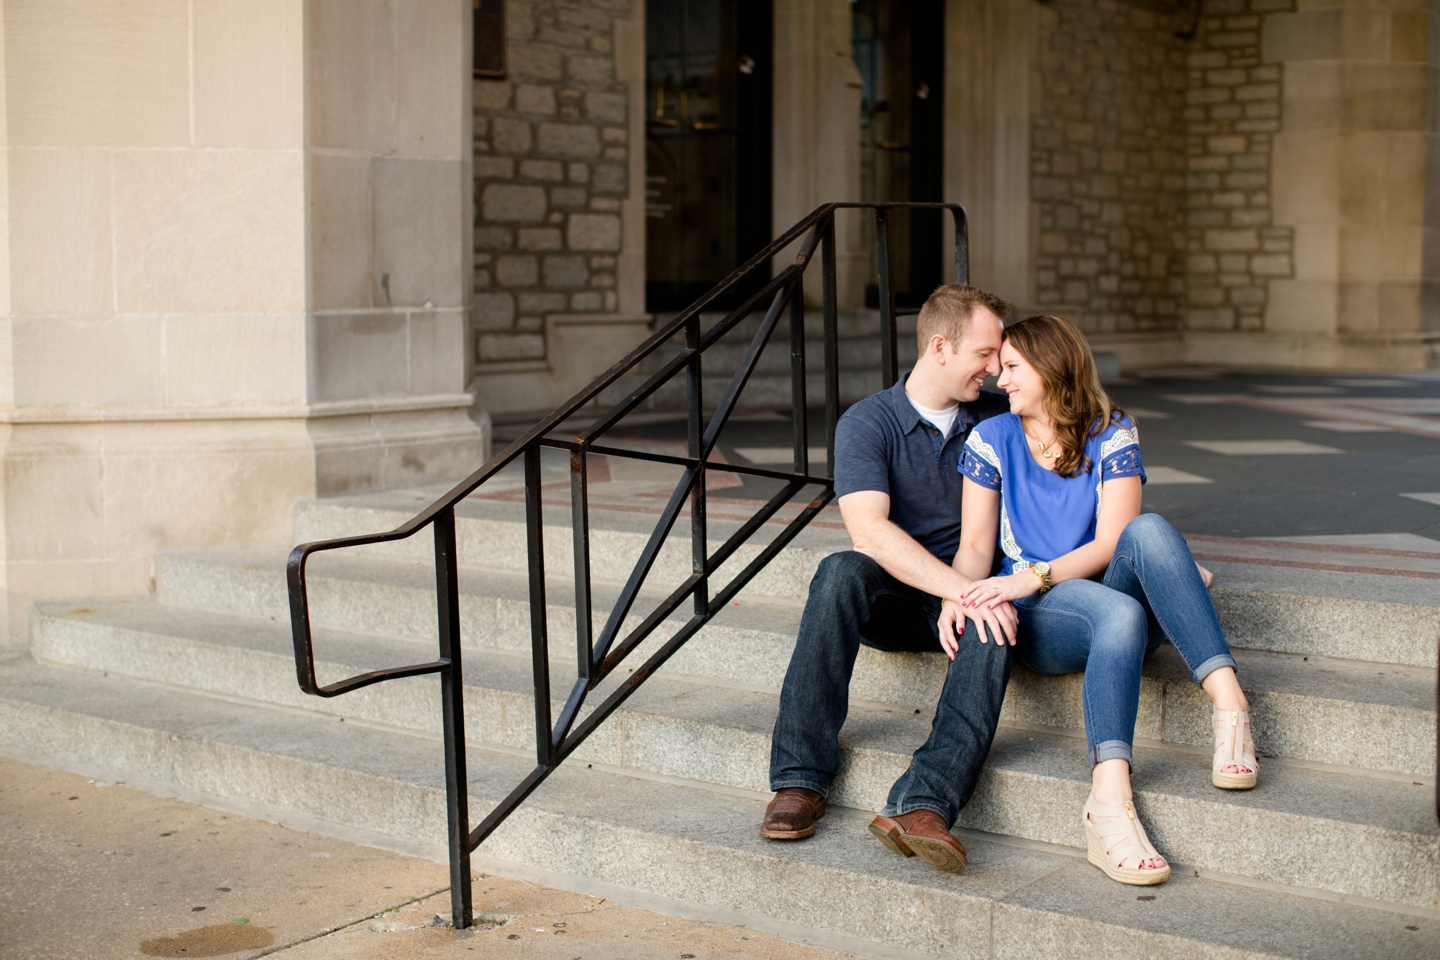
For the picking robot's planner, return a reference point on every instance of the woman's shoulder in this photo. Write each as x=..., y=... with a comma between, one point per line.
x=1120, y=426
x=991, y=440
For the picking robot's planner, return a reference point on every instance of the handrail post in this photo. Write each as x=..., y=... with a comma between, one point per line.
x=798, y=418
x=889, y=362
x=962, y=245
x=832, y=340
x=580, y=541
x=539, y=642
x=695, y=414
x=452, y=710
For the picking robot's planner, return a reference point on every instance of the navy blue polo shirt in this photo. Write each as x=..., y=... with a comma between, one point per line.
x=881, y=443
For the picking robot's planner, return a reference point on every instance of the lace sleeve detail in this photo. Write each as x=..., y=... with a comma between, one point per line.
x=1123, y=463
x=973, y=466
x=1120, y=452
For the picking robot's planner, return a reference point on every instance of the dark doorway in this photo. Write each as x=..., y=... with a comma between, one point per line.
x=707, y=145
x=900, y=50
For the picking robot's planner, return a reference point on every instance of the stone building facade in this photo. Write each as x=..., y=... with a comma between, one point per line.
x=1194, y=181
x=557, y=225
x=1108, y=168
x=1232, y=114
x=1152, y=167
x=1300, y=218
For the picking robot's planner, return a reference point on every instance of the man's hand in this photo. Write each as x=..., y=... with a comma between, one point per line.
x=1001, y=619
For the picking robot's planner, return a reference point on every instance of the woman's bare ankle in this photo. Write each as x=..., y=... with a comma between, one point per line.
x=1233, y=701
x=1110, y=782
x=1224, y=690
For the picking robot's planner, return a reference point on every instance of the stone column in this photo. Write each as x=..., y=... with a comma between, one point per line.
x=991, y=88
x=232, y=273
x=817, y=133
x=1430, y=278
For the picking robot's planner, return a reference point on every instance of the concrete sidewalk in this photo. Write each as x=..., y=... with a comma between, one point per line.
x=100, y=870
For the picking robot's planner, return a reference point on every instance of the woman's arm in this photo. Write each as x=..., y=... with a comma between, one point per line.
x=979, y=529
x=1119, y=504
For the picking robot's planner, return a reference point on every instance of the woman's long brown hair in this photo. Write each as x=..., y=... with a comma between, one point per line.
x=1078, y=405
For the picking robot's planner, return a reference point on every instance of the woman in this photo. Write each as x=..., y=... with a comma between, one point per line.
x=1056, y=482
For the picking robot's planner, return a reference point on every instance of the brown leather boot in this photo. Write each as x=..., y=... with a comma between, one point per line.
x=923, y=832
x=792, y=814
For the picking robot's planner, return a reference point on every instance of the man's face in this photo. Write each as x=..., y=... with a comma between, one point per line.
x=976, y=357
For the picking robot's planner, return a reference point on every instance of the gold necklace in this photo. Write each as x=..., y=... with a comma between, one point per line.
x=1042, y=447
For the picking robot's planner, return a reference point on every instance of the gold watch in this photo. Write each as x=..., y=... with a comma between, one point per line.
x=1041, y=569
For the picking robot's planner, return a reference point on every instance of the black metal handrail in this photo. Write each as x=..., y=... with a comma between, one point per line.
x=598, y=656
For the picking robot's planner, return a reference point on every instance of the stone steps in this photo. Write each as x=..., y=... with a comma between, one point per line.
x=1035, y=779
x=1323, y=710
x=195, y=686
x=687, y=841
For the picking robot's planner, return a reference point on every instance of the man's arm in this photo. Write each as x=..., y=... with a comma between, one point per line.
x=867, y=519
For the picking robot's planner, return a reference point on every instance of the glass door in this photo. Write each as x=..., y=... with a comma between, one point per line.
x=707, y=145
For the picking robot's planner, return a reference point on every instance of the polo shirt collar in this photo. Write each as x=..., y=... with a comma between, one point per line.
x=910, y=418
x=905, y=411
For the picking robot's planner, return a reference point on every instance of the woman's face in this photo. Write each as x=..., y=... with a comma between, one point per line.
x=1022, y=383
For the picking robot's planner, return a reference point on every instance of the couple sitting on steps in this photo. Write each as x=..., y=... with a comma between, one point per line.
x=932, y=476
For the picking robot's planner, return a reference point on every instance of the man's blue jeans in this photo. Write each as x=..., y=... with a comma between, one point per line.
x=1150, y=593
x=854, y=601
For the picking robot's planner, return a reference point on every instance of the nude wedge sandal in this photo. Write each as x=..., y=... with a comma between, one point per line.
x=1114, y=836
x=1233, y=747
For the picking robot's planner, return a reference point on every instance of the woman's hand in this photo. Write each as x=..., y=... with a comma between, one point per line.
x=984, y=594
x=1000, y=622
x=952, y=626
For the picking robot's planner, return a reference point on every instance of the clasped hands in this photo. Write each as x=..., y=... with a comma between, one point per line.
x=985, y=603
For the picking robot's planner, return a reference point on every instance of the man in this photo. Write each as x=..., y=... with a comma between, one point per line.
x=896, y=474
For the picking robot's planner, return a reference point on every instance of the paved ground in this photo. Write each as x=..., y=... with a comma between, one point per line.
x=1228, y=454
x=102, y=871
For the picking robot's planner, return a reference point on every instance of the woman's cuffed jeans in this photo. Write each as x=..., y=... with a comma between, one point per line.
x=853, y=601
x=1150, y=593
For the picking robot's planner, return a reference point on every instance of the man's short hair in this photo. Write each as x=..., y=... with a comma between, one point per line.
x=948, y=310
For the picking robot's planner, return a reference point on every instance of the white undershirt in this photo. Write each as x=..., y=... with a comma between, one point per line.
x=942, y=420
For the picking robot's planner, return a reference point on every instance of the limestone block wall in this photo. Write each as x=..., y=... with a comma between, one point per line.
x=558, y=232
x=1232, y=113
x=1107, y=166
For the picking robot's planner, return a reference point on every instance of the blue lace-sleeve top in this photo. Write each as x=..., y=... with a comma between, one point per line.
x=1043, y=515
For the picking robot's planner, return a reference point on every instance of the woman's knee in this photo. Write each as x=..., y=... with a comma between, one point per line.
x=1149, y=531
x=1119, y=628
x=1148, y=526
